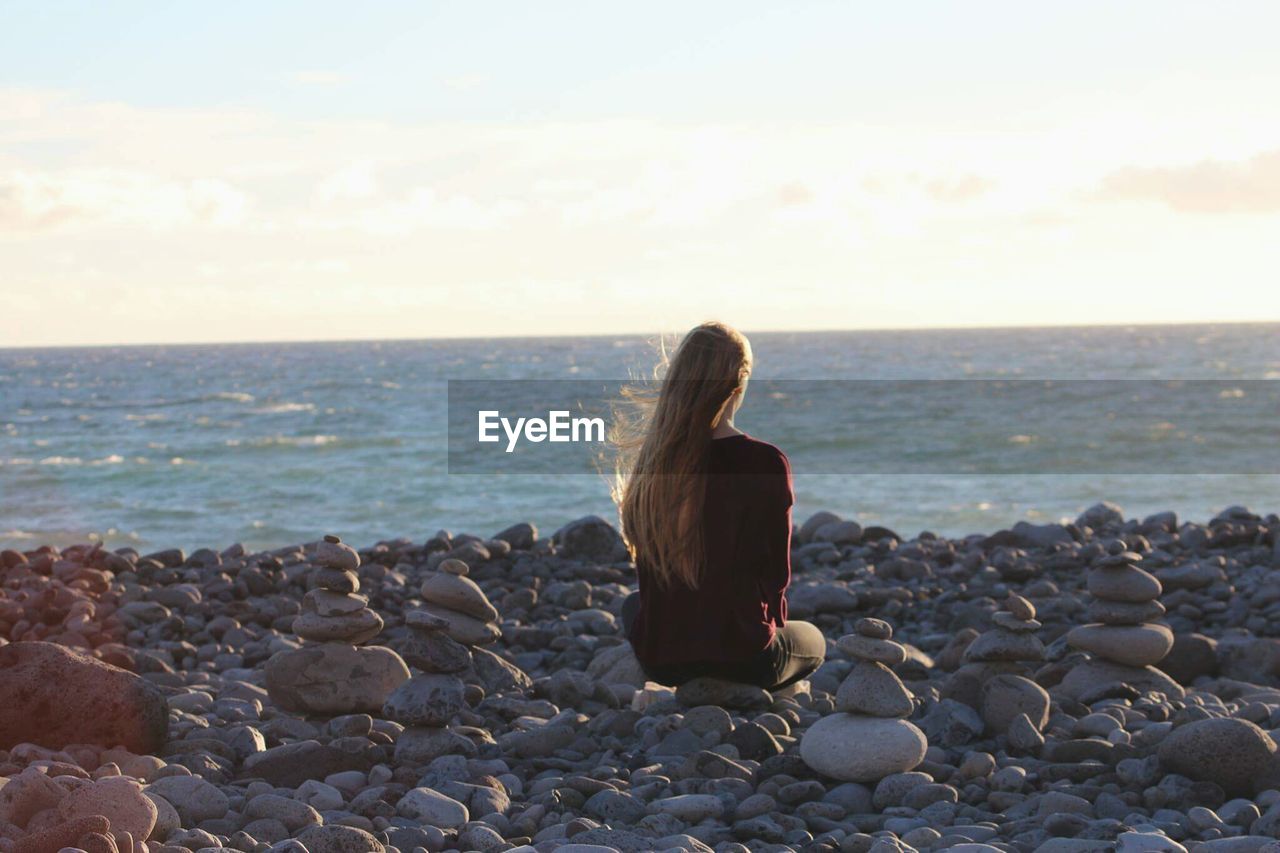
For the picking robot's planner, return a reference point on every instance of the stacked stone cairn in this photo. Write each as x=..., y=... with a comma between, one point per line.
x=1123, y=640
x=332, y=673
x=457, y=615
x=994, y=679
x=867, y=738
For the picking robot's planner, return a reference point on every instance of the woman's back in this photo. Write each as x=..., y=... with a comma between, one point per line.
x=739, y=603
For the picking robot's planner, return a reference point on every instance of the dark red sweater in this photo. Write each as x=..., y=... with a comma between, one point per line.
x=740, y=601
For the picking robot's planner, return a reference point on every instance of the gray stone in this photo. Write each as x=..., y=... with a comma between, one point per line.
x=458, y=593
x=590, y=538
x=1091, y=675
x=1127, y=583
x=354, y=628
x=726, y=694
x=1124, y=612
x=334, y=678
x=886, y=652
x=874, y=689
x=426, y=700
x=853, y=748
x=432, y=807
x=1006, y=696
x=434, y=651
x=334, y=838
x=1233, y=753
x=194, y=798
x=999, y=644
x=1132, y=645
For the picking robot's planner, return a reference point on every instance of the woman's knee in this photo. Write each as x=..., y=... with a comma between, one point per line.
x=806, y=639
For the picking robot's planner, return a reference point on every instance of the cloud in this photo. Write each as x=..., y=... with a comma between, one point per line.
x=420, y=208
x=1210, y=186
x=316, y=78
x=350, y=182
x=35, y=200
x=961, y=189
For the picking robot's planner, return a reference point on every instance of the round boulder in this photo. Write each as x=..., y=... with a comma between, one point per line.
x=1233, y=753
x=853, y=748
x=56, y=696
x=122, y=799
x=334, y=678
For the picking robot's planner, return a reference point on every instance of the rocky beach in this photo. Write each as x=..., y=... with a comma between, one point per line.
x=1113, y=683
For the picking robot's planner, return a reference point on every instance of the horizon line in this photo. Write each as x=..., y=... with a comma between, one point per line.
x=563, y=336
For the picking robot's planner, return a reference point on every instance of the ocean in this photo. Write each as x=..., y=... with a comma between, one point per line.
x=272, y=444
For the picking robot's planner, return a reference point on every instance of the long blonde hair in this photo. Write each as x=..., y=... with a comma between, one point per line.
x=661, y=439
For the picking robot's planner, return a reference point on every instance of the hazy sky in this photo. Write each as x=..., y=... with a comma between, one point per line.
x=198, y=171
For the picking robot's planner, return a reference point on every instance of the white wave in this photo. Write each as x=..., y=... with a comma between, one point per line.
x=62, y=460
x=282, y=408
x=113, y=459
x=18, y=460
x=232, y=396
x=284, y=441
x=154, y=416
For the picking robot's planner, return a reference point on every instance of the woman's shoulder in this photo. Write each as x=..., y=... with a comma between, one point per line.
x=758, y=456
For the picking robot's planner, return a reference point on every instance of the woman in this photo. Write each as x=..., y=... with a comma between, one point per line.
x=706, y=512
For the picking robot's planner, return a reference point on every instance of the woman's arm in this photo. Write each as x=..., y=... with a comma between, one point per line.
x=774, y=518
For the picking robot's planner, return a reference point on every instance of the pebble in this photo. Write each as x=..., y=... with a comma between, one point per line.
x=542, y=731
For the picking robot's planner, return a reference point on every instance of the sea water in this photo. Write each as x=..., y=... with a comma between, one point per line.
x=272, y=444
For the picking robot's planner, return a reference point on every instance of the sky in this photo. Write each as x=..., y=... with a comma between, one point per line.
x=234, y=171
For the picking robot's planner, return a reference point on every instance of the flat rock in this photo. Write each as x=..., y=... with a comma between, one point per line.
x=291, y=764
x=886, y=652
x=424, y=744
x=726, y=694
x=1132, y=645
x=467, y=630
x=426, y=700
x=329, y=603
x=335, y=580
x=55, y=696
x=1126, y=583
x=434, y=651
x=458, y=593
x=1091, y=675
x=1124, y=612
x=1001, y=644
x=354, y=628
x=1196, y=575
